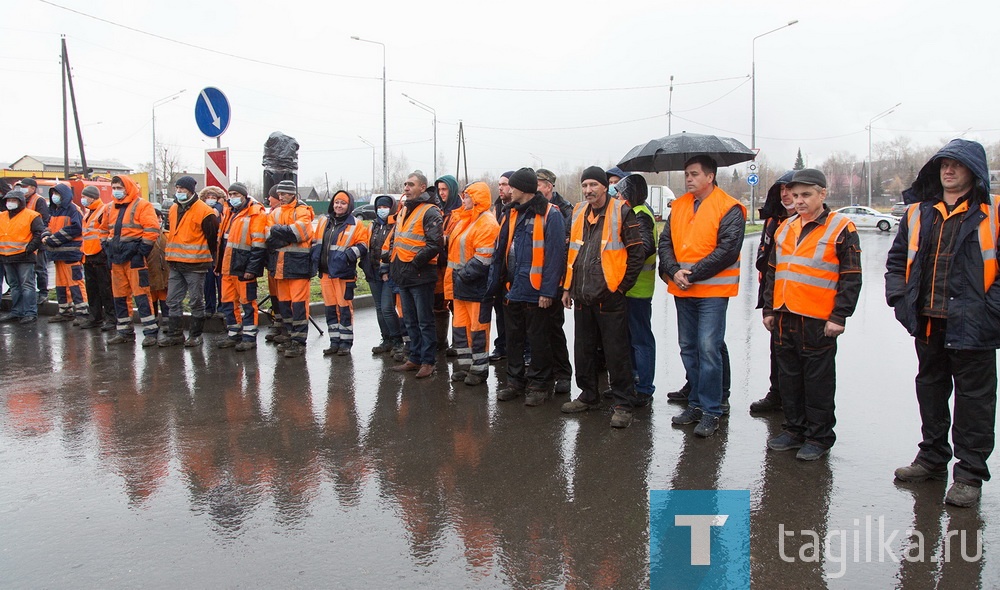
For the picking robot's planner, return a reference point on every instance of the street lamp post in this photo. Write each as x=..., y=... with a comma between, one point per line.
x=155, y=188
x=385, y=142
x=369, y=144
x=430, y=110
x=884, y=113
x=753, y=107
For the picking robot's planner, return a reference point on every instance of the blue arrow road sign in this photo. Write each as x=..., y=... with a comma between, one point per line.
x=211, y=112
x=752, y=179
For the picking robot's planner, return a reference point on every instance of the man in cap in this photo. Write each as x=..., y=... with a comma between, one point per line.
x=605, y=258
x=530, y=262
x=289, y=239
x=502, y=201
x=34, y=202
x=562, y=370
x=941, y=279
x=700, y=260
x=190, y=250
x=811, y=287
x=97, y=275
x=418, y=241
x=21, y=234
x=65, y=245
x=240, y=261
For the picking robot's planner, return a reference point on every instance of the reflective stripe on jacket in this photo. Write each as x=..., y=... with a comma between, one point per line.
x=695, y=236
x=470, y=254
x=807, y=271
x=15, y=234
x=352, y=235
x=645, y=285
x=92, y=228
x=987, y=236
x=410, y=237
x=243, y=233
x=187, y=242
x=614, y=256
x=537, y=245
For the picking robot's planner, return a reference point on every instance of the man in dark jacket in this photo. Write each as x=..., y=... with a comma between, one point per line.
x=562, y=370
x=941, y=280
x=418, y=241
x=530, y=262
x=450, y=201
x=65, y=246
x=382, y=292
x=35, y=202
x=22, y=230
x=499, y=210
x=605, y=258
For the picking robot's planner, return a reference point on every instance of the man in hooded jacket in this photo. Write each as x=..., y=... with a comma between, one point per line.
x=382, y=292
x=941, y=281
x=21, y=234
x=339, y=242
x=470, y=255
x=65, y=246
x=450, y=201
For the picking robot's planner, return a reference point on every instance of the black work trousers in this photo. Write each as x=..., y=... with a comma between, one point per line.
x=97, y=276
x=604, y=324
x=973, y=373
x=807, y=376
x=526, y=322
x=556, y=314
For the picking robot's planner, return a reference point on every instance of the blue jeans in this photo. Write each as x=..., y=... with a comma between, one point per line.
x=701, y=332
x=640, y=330
x=23, y=294
x=418, y=315
x=385, y=310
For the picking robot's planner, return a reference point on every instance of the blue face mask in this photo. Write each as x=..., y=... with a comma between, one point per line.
x=56, y=199
x=181, y=196
x=383, y=212
x=118, y=194
x=613, y=190
x=235, y=202
x=85, y=201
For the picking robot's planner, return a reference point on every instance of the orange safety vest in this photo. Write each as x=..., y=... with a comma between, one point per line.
x=614, y=256
x=537, y=244
x=187, y=242
x=243, y=231
x=92, y=229
x=696, y=236
x=807, y=271
x=987, y=236
x=16, y=233
x=410, y=238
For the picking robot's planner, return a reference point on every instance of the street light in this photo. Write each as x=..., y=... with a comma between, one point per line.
x=369, y=144
x=541, y=164
x=385, y=142
x=753, y=106
x=884, y=113
x=162, y=101
x=430, y=110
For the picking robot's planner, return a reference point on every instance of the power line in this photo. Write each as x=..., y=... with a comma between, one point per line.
x=740, y=133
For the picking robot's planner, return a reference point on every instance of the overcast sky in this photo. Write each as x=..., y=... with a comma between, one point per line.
x=818, y=81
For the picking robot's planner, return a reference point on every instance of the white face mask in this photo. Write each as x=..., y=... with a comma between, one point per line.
x=56, y=199
x=181, y=196
x=12, y=204
x=85, y=201
x=235, y=202
x=211, y=202
x=383, y=212
x=118, y=194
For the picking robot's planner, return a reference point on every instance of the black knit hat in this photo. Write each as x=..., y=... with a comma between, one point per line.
x=525, y=181
x=595, y=173
x=92, y=192
x=187, y=182
x=239, y=187
x=507, y=174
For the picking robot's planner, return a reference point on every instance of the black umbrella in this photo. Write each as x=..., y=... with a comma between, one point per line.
x=670, y=152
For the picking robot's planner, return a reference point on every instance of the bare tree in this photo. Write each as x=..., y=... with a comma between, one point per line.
x=168, y=163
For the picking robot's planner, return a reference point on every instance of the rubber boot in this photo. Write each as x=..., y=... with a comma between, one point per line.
x=173, y=335
x=195, y=339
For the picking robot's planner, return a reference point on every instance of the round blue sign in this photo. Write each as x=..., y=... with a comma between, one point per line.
x=211, y=112
x=752, y=179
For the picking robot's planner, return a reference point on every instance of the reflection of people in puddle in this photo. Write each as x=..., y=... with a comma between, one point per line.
x=340, y=445
x=295, y=441
x=782, y=560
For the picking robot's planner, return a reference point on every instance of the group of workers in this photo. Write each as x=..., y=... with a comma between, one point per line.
x=441, y=251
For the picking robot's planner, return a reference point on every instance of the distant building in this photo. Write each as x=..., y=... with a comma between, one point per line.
x=55, y=164
x=308, y=193
x=994, y=180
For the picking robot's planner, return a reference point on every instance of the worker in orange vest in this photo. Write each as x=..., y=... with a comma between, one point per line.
x=605, y=258
x=289, y=239
x=699, y=254
x=277, y=324
x=65, y=246
x=240, y=261
x=128, y=231
x=190, y=252
x=96, y=273
x=339, y=242
x=811, y=287
x=470, y=255
x=21, y=234
x=35, y=202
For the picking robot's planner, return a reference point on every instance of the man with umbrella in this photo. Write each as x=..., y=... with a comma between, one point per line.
x=699, y=253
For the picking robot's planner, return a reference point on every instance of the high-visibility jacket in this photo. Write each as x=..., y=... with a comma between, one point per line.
x=92, y=227
x=614, y=256
x=988, y=229
x=537, y=244
x=696, y=236
x=65, y=242
x=410, y=237
x=807, y=271
x=187, y=242
x=352, y=236
x=291, y=225
x=645, y=285
x=15, y=234
x=470, y=247
x=130, y=226
x=243, y=233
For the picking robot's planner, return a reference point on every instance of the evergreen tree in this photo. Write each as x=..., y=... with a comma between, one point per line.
x=799, y=164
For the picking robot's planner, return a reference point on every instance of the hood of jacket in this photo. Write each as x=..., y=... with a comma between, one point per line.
x=772, y=206
x=131, y=189
x=633, y=188
x=65, y=192
x=14, y=194
x=350, y=203
x=454, y=198
x=928, y=182
x=482, y=200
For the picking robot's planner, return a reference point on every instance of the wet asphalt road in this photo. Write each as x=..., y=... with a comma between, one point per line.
x=207, y=468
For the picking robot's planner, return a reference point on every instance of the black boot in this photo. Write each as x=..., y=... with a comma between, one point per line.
x=173, y=334
x=195, y=339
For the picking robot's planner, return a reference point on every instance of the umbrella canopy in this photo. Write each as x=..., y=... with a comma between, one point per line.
x=670, y=152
